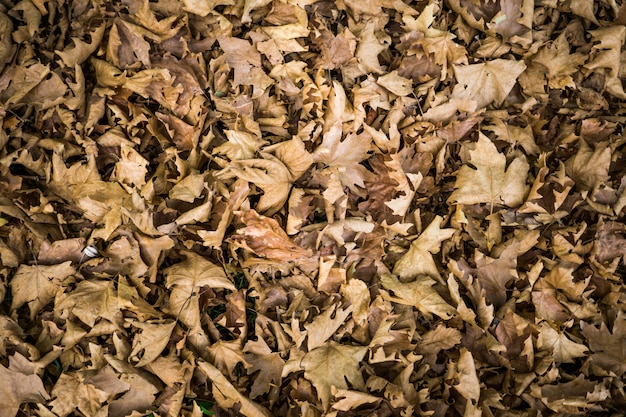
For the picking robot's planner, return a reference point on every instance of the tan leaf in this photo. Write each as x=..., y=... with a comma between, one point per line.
x=38, y=284
x=350, y=400
x=186, y=279
x=260, y=357
x=82, y=50
x=468, y=384
x=264, y=237
x=330, y=365
x=345, y=156
x=17, y=388
x=325, y=325
x=294, y=155
x=438, y=339
x=420, y=294
x=563, y=350
x=419, y=258
x=398, y=85
x=189, y=188
x=226, y=395
x=148, y=345
x=269, y=174
x=490, y=182
x=487, y=83
x=90, y=301
x=589, y=167
x=608, y=347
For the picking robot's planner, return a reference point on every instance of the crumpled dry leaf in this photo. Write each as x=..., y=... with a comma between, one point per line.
x=227, y=395
x=264, y=237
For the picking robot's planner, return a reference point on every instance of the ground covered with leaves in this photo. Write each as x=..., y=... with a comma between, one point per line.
x=339, y=208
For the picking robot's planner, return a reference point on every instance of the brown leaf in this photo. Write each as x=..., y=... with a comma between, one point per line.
x=333, y=365
x=608, y=348
x=490, y=182
x=264, y=237
x=17, y=388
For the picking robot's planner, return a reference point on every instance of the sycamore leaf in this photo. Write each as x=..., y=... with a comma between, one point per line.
x=609, y=348
x=487, y=83
x=468, y=384
x=185, y=280
x=269, y=174
x=419, y=258
x=38, y=284
x=420, y=294
x=149, y=344
x=90, y=301
x=259, y=357
x=556, y=58
x=438, y=339
x=589, y=167
x=490, y=182
x=226, y=395
x=563, y=350
x=398, y=85
x=294, y=155
x=333, y=365
x=81, y=51
x=350, y=400
x=17, y=388
x=345, y=155
x=189, y=188
x=264, y=237
x=325, y=325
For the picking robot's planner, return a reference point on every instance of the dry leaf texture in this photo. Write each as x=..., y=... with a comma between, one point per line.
x=312, y=208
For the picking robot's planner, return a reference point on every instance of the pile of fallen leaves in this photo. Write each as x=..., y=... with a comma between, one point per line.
x=301, y=207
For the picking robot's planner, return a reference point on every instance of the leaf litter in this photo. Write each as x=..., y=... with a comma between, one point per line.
x=312, y=208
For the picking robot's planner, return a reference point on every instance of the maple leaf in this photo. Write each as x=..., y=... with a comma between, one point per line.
x=419, y=258
x=151, y=341
x=438, y=339
x=269, y=174
x=608, y=348
x=495, y=274
x=90, y=301
x=563, y=350
x=37, y=285
x=395, y=83
x=486, y=83
x=350, y=400
x=17, y=388
x=185, y=280
x=226, y=395
x=589, y=168
x=420, y=294
x=344, y=156
x=264, y=237
x=556, y=58
x=259, y=357
x=490, y=182
x=325, y=325
x=333, y=365
x=469, y=385
x=82, y=50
